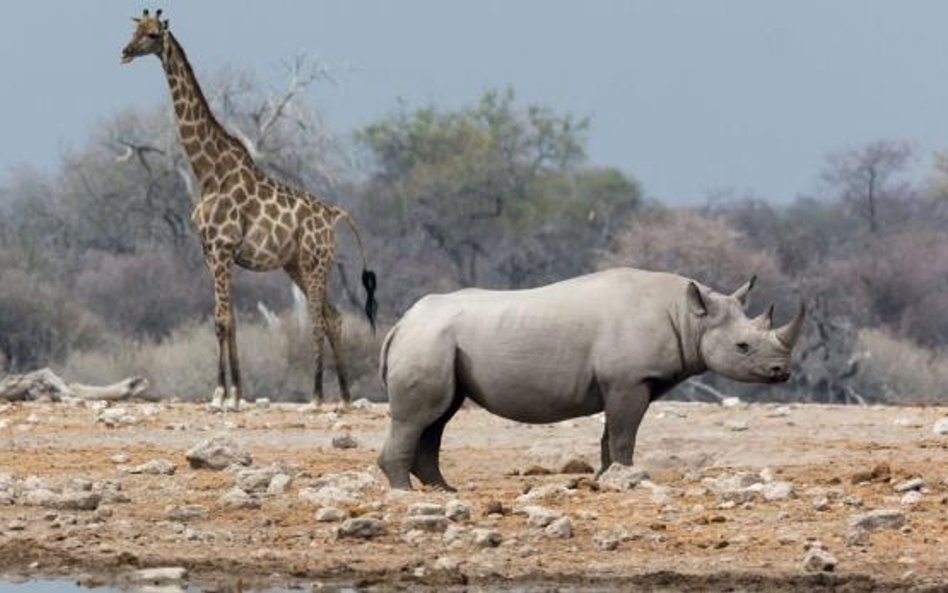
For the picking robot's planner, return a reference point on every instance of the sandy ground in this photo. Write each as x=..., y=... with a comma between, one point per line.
x=676, y=538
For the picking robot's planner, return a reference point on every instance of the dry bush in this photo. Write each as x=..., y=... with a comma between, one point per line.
x=276, y=362
x=900, y=371
x=706, y=249
x=39, y=322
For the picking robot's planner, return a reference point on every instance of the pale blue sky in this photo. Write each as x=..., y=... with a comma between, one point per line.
x=691, y=97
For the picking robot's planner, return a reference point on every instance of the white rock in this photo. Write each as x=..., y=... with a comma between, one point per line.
x=447, y=564
x=217, y=453
x=120, y=458
x=328, y=496
x=820, y=503
x=235, y=498
x=158, y=467
x=819, y=560
x=362, y=527
x=879, y=519
x=262, y=403
x=487, y=538
x=429, y=523
x=186, y=513
x=279, y=484
x=539, y=516
x=349, y=480
x=913, y=484
x=256, y=479
x=731, y=402
x=457, y=510
x=622, y=477
x=344, y=441
x=362, y=404
x=778, y=491
x=737, y=425
x=425, y=508
x=561, y=528
x=941, y=427
x=906, y=422
x=546, y=492
x=330, y=515
x=911, y=498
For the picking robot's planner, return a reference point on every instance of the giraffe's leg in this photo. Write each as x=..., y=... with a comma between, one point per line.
x=220, y=267
x=232, y=402
x=334, y=333
x=315, y=281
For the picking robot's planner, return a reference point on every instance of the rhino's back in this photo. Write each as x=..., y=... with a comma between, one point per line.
x=532, y=355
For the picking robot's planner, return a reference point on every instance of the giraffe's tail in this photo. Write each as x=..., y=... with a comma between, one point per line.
x=369, y=281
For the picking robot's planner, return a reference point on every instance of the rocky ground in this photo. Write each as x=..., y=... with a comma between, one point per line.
x=738, y=497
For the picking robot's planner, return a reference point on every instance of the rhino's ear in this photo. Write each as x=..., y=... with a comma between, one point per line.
x=741, y=293
x=696, y=303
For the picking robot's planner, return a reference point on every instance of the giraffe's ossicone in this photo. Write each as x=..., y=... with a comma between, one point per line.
x=246, y=218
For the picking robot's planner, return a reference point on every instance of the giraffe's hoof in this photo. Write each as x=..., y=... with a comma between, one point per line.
x=217, y=401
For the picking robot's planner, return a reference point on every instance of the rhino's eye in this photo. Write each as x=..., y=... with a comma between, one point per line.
x=743, y=347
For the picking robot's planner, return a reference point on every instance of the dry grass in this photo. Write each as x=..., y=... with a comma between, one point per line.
x=904, y=372
x=276, y=362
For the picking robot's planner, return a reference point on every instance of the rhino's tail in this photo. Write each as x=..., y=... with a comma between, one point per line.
x=383, y=356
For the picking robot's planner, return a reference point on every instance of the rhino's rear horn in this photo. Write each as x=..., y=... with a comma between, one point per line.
x=789, y=333
x=741, y=293
x=765, y=320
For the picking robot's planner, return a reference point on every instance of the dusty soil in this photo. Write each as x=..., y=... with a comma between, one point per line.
x=683, y=541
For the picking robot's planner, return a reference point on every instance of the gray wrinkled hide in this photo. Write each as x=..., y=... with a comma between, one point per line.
x=610, y=341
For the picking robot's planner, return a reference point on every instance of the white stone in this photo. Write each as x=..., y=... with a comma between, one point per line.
x=158, y=467
x=236, y=498
x=913, y=484
x=940, y=427
x=487, y=538
x=425, y=508
x=778, y=491
x=279, y=484
x=330, y=515
x=429, y=523
x=911, y=498
x=217, y=453
x=731, y=402
x=457, y=510
x=539, y=516
x=622, y=477
x=561, y=528
x=362, y=527
x=546, y=492
x=879, y=519
x=818, y=559
x=344, y=441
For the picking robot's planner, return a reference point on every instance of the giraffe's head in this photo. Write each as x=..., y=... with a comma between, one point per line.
x=148, y=38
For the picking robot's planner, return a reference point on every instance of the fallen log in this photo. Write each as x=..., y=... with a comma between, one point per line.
x=45, y=384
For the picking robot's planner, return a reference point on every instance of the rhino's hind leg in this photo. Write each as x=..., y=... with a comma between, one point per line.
x=398, y=453
x=427, y=467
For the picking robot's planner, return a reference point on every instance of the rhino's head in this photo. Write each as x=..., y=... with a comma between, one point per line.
x=739, y=347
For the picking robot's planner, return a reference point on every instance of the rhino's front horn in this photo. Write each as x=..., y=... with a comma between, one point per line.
x=789, y=333
x=765, y=321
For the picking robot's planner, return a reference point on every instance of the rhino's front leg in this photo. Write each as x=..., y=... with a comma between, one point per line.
x=625, y=407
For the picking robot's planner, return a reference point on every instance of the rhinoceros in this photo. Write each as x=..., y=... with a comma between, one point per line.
x=610, y=341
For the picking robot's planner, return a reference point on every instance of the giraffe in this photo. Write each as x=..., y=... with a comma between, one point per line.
x=246, y=218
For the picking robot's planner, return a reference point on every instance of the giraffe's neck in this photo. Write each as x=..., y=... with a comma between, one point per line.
x=206, y=143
